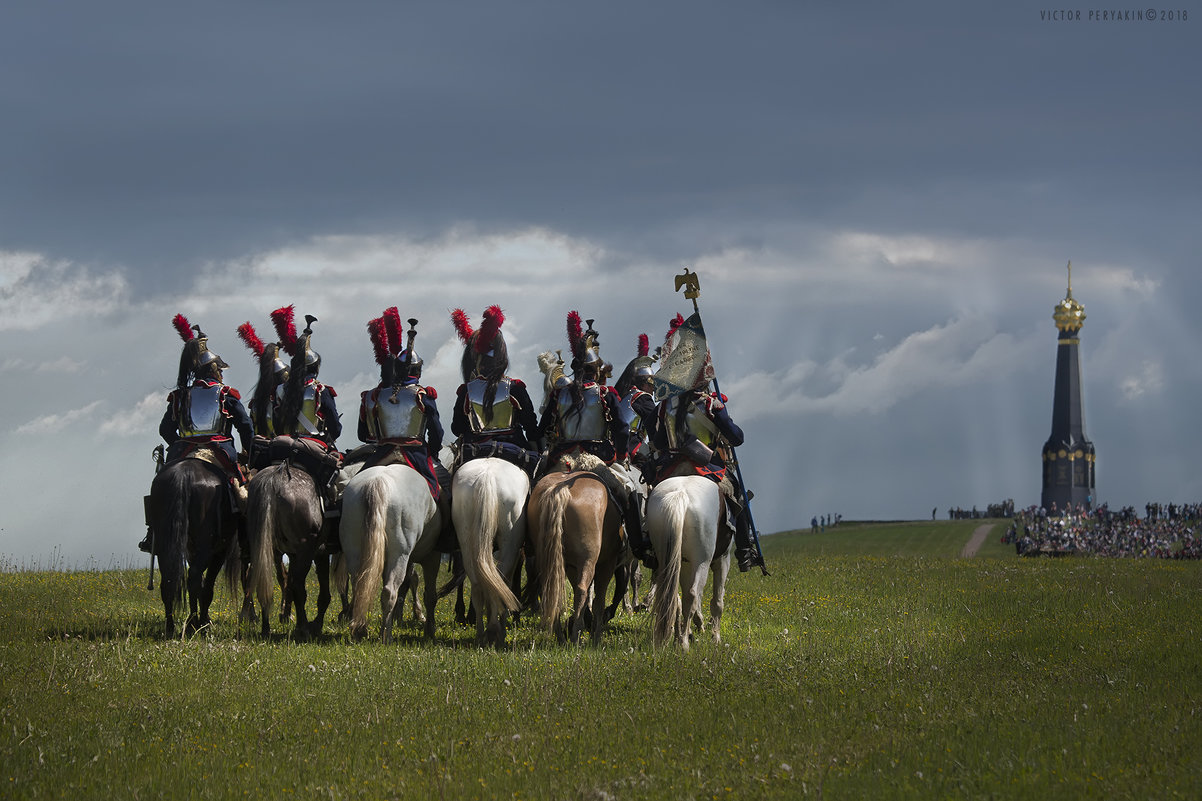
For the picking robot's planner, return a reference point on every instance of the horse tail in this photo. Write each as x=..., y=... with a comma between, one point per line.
x=550, y=552
x=673, y=505
x=483, y=528
x=174, y=525
x=260, y=523
x=371, y=566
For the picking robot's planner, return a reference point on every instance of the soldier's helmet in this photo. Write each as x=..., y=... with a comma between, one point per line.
x=485, y=354
x=409, y=363
x=586, y=349
x=196, y=360
x=639, y=370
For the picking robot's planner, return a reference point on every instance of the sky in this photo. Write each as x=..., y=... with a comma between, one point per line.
x=880, y=201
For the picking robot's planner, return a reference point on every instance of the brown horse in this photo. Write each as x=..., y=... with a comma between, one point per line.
x=193, y=522
x=575, y=532
x=284, y=516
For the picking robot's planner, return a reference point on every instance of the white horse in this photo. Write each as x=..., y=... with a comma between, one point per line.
x=488, y=505
x=389, y=520
x=683, y=515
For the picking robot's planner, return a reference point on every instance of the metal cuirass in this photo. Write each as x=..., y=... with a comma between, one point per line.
x=308, y=423
x=696, y=422
x=403, y=419
x=203, y=417
x=590, y=423
x=502, y=406
x=626, y=413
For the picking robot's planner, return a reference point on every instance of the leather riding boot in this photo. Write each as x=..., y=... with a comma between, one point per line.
x=639, y=545
x=745, y=551
x=144, y=545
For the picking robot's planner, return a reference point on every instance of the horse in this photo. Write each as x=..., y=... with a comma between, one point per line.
x=193, y=521
x=284, y=515
x=389, y=520
x=488, y=506
x=574, y=529
x=683, y=514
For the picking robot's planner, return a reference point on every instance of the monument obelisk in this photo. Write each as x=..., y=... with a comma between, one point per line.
x=1068, y=456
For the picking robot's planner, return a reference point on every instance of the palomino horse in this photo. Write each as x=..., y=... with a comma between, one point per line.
x=284, y=516
x=192, y=520
x=574, y=529
x=488, y=505
x=389, y=520
x=682, y=520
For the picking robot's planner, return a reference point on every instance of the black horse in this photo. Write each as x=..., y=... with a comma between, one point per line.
x=192, y=517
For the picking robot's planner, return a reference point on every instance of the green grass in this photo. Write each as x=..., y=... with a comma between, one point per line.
x=848, y=673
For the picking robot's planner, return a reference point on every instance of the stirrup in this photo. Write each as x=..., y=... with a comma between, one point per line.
x=747, y=559
x=144, y=545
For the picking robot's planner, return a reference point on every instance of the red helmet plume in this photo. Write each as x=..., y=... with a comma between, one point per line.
x=493, y=319
x=644, y=345
x=575, y=334
x=379, y=339
x=246, y=332
x=285, y=327
x=183, y=327
x=394, y=329
x=462, y=326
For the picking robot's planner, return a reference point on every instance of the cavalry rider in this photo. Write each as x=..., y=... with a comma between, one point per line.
x=583, y=419
x=694, y=436
x=400, y=416
x=307, y=412
x=493, y=413
x=637, y=408
x=201, y=411
x=263, y=401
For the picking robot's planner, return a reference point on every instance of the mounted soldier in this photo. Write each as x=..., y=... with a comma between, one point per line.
x=695, y=434
x=399, y=418
x=306, y=420
x=272, y=373
x=493, y=415
x=583, y=428
x=637, y=407
x=202, y=412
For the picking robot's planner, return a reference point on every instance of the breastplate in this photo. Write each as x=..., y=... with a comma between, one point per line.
x=626, y=413
x=502, y=406
x=203, y=416
x=695, y=422
x=404, y=419
x=590, y=423
x=309, y=421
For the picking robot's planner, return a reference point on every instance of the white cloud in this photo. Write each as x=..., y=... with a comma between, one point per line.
x=955, y=354
x=35, y=291
x=139, y=421
x=1149, y=380
x=53, y=423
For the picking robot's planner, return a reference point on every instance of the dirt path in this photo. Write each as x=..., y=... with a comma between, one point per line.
x=976, y=540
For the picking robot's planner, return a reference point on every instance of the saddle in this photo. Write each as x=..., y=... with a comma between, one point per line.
x=515, y=454
x=315, y=458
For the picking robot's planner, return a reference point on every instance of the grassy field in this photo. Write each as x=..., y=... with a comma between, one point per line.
x=873, y=663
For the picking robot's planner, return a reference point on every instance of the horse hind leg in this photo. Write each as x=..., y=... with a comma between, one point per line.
x=322, y=564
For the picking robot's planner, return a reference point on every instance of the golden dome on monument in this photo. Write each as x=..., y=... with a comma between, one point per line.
x=1069, y=314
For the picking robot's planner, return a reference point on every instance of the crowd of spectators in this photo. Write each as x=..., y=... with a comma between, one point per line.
x=1166, y=531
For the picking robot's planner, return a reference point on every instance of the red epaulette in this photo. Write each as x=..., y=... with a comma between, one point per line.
x=432, y=392
x=518, y=381
x=234, y=392
x=330, y=390
x=613, y=391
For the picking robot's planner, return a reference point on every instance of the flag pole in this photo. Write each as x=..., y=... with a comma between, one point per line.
x=692, y=290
